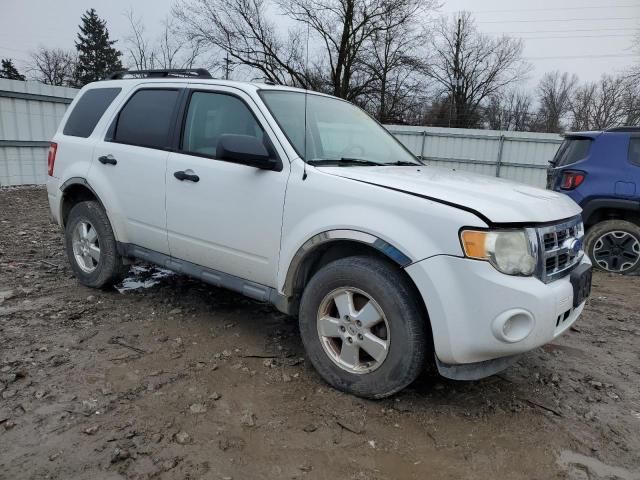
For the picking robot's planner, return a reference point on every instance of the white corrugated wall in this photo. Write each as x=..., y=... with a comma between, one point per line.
x=519, y=156
x=29, y=116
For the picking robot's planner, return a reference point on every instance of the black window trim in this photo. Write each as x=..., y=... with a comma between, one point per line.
x=637, y=138
x=111, y=131
x=80, y=98
x=182, y=116
x=570, y=137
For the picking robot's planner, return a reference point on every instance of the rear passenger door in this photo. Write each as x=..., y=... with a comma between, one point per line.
x=131, y=162
x=230, y=219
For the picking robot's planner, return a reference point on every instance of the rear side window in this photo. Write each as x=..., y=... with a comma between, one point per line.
x=634, y=151
x=88, y=110
x=571, y=151
x=146, y=118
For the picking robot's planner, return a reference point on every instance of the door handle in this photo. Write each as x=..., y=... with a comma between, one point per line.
x=182, y=176
x=107, y=159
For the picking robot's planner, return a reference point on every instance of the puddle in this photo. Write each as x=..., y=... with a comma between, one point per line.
x=143, y=276
x=591, y=466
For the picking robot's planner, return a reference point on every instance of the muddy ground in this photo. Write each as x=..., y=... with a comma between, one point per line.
x=182, y=380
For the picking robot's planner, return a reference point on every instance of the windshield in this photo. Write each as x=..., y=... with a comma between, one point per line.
x=337, y=131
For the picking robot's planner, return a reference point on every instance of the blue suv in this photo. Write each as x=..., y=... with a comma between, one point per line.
x=601, y=172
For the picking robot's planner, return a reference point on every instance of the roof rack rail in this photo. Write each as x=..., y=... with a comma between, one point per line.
x=629, y=128
x=162, y=73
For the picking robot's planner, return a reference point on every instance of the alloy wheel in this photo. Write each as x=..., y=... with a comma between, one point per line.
x=616, y=251
x=86, y=246
x=353, y=330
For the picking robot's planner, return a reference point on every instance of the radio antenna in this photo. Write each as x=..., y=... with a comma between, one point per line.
x=306, y=94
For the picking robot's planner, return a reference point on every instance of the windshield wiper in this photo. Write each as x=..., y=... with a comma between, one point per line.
x=401, y=163
x=343, y=162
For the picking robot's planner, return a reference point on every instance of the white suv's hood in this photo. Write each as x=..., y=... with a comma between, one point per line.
x=501, y=201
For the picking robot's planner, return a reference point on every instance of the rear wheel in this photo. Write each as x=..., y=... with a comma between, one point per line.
x=363, y=328
x=91, y=246
x=614, y=246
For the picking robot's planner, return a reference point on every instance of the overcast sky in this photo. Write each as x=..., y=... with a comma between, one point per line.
x=586, y=37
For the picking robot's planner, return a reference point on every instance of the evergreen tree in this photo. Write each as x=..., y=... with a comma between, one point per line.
x=96, y=55
x=9, y=70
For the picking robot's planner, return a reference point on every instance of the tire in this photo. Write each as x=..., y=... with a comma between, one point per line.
x=377, y=288
x=93, y=269
x=622, y=239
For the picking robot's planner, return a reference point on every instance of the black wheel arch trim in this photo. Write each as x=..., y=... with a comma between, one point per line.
x=330, y=236
x=78, y=181
x=592, y=206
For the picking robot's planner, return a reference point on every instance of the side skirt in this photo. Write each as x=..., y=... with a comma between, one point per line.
x=213, y=277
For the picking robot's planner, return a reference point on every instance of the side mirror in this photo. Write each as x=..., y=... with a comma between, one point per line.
x=245, y=149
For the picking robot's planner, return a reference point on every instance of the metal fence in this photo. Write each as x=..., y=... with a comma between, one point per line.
x=29, y=116
x=519, y=156
x=30, y=113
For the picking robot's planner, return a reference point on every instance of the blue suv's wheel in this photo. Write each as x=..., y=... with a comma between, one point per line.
x=614, y=246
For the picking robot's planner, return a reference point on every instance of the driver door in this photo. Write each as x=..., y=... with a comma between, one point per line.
x=230, y=218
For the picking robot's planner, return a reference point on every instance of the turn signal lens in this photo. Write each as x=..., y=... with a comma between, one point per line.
x=509, y=251
x=474, y=244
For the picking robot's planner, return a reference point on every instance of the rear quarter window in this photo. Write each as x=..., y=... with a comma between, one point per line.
x=88, y=110
x=572, y=150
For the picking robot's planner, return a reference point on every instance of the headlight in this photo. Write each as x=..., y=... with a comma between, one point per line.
x=509, y=251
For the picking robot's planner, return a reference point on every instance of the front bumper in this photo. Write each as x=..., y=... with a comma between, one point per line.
x=479, y=315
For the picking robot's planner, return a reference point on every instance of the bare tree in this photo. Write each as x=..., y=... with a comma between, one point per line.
x=600, y=105
x=509, y=111
x=631, y=101
x=345, y=28
x=554, y=97
x=392, y=64
x=141, y=54
x=53, y=66
x=241, y=30
x=167, y=51
x=339, y=31
x=470, y=67
x=174, y=51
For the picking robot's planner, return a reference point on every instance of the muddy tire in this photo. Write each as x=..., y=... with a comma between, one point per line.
x=614, y=246
x=91, y=247
x=363, y=327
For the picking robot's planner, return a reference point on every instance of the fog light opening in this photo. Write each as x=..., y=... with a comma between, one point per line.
x=513, y=326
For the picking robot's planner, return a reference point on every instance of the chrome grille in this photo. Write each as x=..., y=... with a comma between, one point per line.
x=561, y=248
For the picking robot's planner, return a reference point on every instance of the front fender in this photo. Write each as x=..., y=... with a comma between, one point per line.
x=417, y=228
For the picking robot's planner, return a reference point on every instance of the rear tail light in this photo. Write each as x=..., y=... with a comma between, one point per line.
x=571, y=179
x=51, y=158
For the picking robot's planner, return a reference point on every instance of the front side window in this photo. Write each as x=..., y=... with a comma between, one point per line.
x=88, y=110
x=634, y=151
x=572, y=150
x=334, y=130
x=211, y=115
x=146, y=118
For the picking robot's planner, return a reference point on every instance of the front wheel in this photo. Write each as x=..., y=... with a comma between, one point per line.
x=363, y=327
x=614, y=246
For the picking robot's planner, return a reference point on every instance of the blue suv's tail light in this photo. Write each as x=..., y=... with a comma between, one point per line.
x=571, y=179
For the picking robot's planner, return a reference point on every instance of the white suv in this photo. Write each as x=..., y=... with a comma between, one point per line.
x=302, y=200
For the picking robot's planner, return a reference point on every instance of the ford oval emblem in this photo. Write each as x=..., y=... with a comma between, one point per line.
x=574, y=246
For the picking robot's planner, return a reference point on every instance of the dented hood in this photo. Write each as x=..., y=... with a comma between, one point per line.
x=494, y=199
